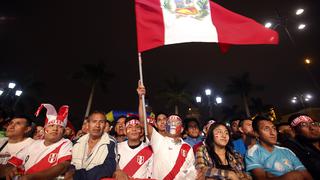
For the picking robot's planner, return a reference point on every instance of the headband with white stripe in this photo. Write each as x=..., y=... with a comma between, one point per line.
x=133, y=122
x=300, y=119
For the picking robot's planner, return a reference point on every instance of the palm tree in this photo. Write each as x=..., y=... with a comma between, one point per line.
x=175, y=93
x=94, y=74
x=242, y=86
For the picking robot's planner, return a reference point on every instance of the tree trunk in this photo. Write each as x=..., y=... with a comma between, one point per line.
x=246, y=105
x=90, y=100
x=176, y=109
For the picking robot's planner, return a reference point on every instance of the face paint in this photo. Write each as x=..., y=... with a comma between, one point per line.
x=174, y=127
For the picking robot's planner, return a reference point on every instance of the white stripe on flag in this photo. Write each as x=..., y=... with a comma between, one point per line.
x=184, y=22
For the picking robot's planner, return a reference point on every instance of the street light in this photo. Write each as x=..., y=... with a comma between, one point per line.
x=307, y=61
x=299, y=11
x=198, y=99
x=208, y=92
x=301, y=26
x=268, y=25
x=218, y=100
x=302, y=98
x=11, y=85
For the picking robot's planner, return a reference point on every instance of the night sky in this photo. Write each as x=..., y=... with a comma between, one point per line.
x=50, y=40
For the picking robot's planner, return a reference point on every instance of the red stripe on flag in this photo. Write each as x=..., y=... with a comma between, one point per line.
x=233, y=28
x=15, y=161
x=150, y=25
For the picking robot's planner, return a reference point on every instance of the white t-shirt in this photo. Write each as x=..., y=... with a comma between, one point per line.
x=126, y=154
x=11, y=149
x=165, y=154
x=38, y=157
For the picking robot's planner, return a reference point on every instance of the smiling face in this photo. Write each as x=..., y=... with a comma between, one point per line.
x=221, y=136
x=133, y=131
x=120, y=126
x=161, y=122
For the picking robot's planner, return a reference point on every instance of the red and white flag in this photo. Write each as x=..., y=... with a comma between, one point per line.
x=163, y=22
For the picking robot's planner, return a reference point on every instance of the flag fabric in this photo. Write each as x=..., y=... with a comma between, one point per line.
x=163, y=22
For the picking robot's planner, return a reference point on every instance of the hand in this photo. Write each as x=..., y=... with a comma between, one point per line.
x=141, y=89
x=121, y=175
x=11, y=173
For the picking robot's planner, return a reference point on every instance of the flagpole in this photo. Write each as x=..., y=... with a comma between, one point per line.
x=143, y=97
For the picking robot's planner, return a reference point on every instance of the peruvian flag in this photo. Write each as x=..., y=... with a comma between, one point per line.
x=163, y=22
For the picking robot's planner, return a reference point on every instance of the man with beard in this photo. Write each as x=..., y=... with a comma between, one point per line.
x=135, y=156
x=47, y=158
x=247, y=139
x=306, y=146
x=265, y=160
x=173, y=158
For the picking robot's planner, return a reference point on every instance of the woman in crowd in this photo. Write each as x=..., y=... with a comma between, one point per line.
x=216, y=159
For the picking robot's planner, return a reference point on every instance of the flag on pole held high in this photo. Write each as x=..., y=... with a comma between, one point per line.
x=163, y=22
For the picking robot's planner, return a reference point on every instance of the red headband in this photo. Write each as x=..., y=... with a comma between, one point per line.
x=132, y=122
x=300, y=119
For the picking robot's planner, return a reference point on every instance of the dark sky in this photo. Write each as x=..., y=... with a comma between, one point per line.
x=52, y=39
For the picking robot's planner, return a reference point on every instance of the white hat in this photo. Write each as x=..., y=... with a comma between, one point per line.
x=53, y=117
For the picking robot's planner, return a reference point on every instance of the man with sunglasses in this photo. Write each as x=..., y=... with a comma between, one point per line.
x=307, y=142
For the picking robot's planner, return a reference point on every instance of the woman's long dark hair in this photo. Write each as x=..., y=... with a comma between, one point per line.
x=210, y=144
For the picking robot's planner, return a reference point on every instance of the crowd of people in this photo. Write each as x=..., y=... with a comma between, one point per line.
x=172, y=148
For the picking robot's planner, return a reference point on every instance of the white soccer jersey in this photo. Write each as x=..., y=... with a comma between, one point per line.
x=38, y=157
x=11, y=149
x=166, y=152
x=140, y=160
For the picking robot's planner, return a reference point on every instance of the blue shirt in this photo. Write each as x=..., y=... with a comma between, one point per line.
x=193, y=141
x=278, y=162
x=240, y=146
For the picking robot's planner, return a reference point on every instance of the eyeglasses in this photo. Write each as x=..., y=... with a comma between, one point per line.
x=308, y=124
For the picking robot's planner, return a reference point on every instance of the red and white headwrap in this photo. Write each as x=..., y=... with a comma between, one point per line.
x=60, y=118
x=300, y=119
x=174, y=117
x=133, y=122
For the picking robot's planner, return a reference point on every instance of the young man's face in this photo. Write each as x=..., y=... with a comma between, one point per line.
x=53, y=133
x=267, y=132
x=17, y=127
x=133, y=131
x=246, y=128
x=107, y=129
x=235, y=126
x=120, y=127
x=174, y=127
x=221, y=136
x=96, y=125
x=309, y=130
x=193, y=129
x=161, y=122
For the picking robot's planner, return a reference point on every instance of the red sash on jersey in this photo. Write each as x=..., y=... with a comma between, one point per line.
x=46, y=162
x=137, y=161
x=179, y=162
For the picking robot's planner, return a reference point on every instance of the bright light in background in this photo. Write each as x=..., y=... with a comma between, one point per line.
x=301, y=26
x=18, y=92
x=189, y=109
x=307, y=61
x=293, y=101
x=1, y=92
x=308, y=96
x=268, y=25
x=11, y=85
x=208, y=92
x=218, y=100
x=299, y=11
x=198, y=99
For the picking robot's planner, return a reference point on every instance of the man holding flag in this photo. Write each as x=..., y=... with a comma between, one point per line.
x=173, y=158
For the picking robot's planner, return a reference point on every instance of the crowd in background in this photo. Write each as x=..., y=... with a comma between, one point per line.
x=173, y=148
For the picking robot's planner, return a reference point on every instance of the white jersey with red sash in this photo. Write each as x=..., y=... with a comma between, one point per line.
x=38, y=157
x=136, y=162
x=172, y=160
